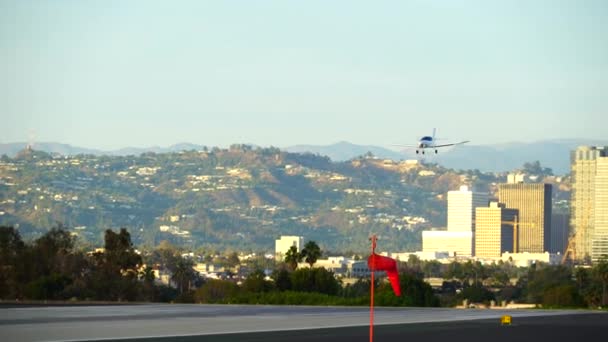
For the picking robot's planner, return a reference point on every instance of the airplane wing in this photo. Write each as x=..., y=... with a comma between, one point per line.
x=453, y=144
x=406, y=146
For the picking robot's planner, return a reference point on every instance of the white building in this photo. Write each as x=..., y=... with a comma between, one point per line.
x=461, y=208
x=424, y=256
x=513, y=178
x=458, y=239
x=526, y=259
x=284, y=243
x=453, y=242
x=339, y=265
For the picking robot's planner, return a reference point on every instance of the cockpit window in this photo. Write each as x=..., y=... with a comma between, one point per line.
x=427, y=138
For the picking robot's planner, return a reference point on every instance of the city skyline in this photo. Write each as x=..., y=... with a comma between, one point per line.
x=273, y=73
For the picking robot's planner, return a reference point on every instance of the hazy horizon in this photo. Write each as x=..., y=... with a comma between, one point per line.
x=116, y=74
x=591, y=142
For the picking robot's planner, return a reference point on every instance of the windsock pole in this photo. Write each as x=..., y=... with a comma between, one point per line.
x=371, y=305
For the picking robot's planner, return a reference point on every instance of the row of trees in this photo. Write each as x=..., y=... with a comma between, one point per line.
x=313, y=286
x=548, y=285
x=310, y=254
x=51, y=268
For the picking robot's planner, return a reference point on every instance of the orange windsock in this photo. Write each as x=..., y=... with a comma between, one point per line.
x=377, y=262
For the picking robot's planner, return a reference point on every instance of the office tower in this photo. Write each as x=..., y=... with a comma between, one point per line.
x=599, y=244
x=584, y=202
x=461, y=208
x=533, y=201
x=459, y=236
x=458, y=239
x=494, y=230
x=560, y=224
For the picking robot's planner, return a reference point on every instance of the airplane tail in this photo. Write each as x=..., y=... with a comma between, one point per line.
x=434, y=131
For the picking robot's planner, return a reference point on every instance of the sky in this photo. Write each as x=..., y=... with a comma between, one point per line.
x=112, y=74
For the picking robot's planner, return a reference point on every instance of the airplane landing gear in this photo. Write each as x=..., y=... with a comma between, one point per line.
x=435, y=151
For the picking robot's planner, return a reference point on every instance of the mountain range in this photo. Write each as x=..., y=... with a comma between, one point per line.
x=554, y=154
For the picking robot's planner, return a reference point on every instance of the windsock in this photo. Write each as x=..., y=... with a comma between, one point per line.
x=377, y=262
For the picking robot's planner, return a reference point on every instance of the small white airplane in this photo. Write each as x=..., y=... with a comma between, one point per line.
x=430, y=142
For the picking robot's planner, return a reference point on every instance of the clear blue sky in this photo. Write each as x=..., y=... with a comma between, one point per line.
x=110, y=74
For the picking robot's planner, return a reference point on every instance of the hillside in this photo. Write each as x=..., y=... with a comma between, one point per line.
x=241, y=198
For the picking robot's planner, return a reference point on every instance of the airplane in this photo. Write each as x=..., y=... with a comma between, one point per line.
x=430, y=142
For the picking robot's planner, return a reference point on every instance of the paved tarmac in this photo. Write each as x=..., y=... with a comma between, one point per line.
x=239, y=322
x=567, y=328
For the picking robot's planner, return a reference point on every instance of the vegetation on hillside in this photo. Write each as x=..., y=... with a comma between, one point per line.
x=238, y=198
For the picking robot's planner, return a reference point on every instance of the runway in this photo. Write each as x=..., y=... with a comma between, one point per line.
x=77, y=323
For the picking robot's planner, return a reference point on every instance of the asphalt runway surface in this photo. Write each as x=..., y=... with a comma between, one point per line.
x=173, y=322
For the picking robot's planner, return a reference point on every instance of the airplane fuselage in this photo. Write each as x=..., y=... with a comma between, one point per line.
x=425, y=142
x=429, y=142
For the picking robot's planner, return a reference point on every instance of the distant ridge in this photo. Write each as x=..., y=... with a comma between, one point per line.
x=156, y=149
x=11, y=149
x=344, y=150
x=486, y=158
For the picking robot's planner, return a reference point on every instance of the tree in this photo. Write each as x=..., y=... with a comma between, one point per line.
x=216, y=291
x=165, y=255
x=281, y=278
x=600, y=272
x=233, y=260
x=542, y=278
x=535, y=168
x=114, y=275
x=314, y=280
x=476, y=293
x=292, y=257
x=416, y=292
x=414, y=262
x=52, y=251
x=311, y=253
x=147, y=276
x=455, y=271
x=562, y=296
x=360, y=288
x=56, y=270
x=432, y=268
x=119, y=251
x=183, y=275
x=256, y=282
x=12, y=270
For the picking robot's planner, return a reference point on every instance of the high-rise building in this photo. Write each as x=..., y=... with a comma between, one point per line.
x=461, y=208
x=588, y=197
x=533, y=201
x=494, y=230
x=458, y=239
x=599, y=244
x=560, y=224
